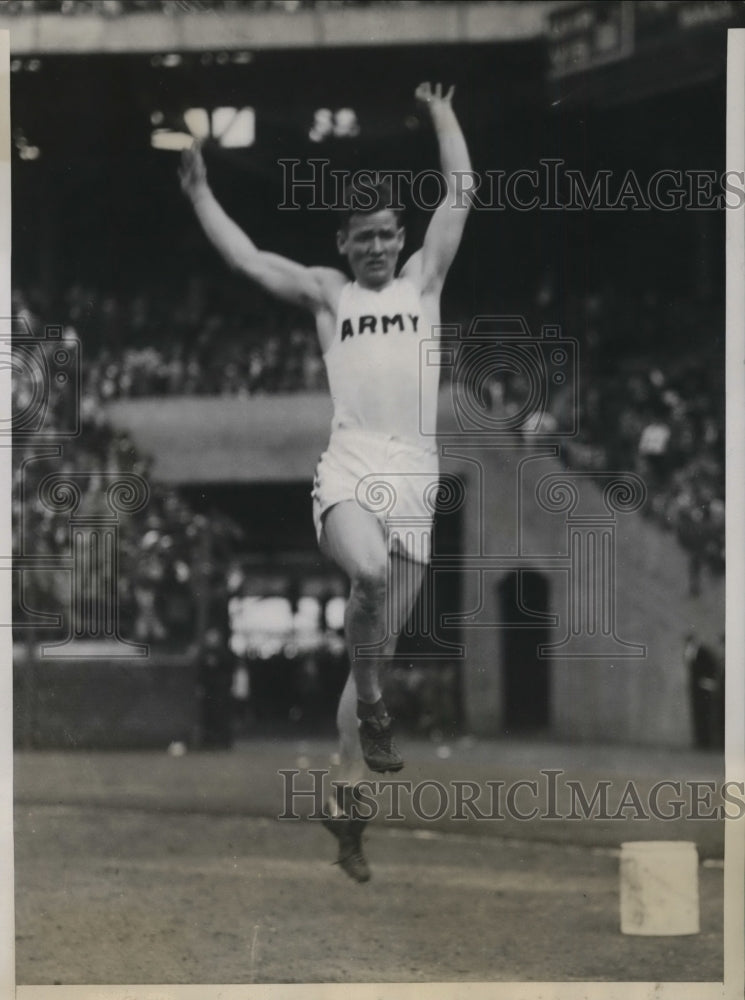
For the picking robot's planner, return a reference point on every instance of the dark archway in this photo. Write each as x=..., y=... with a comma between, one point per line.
x=523, y=597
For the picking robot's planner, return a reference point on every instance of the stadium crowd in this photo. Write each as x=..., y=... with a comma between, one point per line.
x=661, y=414
x=162, y=547
x=665, y=422
x=156, y=344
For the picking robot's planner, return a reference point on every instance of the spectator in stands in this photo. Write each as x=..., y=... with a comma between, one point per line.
x=652, y=462
x=215, y=682
x=705, y=665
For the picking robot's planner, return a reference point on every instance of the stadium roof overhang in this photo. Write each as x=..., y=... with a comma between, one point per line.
x=403, y=24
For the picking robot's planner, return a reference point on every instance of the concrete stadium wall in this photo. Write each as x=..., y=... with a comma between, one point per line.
x=98, y=702
x=218, y=439
x=596, y=694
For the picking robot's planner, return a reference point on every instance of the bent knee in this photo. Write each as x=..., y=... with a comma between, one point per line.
x=369, y=584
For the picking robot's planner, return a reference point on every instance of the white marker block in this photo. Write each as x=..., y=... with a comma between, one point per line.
x=659, y=887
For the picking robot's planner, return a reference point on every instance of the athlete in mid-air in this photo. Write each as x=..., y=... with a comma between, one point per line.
x=369, y=331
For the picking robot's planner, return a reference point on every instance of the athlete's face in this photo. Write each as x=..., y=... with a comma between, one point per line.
x=372, y=244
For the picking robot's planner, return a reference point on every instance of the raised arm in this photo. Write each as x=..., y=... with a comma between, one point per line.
x=441, y=241
x=286, y=279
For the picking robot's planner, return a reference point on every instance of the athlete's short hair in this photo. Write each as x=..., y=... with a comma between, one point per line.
x=365, y=194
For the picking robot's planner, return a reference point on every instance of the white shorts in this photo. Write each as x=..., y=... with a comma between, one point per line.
x=392, y=479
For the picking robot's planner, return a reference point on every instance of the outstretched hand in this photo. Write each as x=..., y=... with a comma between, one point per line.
x=192, y=173
x=432, y=98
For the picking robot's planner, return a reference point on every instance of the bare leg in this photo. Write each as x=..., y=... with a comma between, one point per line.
x=351, y=766
x=355, y=540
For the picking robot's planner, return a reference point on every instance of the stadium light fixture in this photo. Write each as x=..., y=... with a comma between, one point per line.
x=27, y=65
x=342, y=123
x=240, y=58
x=163, y=138
x=25, y=149
x=169, y=60
x=234, y=127
x=335, y=608
x=230, y=128
x=198, y=122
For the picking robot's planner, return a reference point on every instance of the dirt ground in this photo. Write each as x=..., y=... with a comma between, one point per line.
x=118, y=895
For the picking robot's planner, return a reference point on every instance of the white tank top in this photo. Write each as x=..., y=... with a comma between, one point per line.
x=379, y=379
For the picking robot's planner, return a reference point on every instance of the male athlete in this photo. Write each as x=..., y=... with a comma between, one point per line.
x=369, y=331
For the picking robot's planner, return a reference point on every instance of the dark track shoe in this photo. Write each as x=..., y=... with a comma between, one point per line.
x=349, y=834
x=378, y=746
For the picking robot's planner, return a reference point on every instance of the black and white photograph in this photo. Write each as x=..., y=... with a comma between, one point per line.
x=373, y=435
